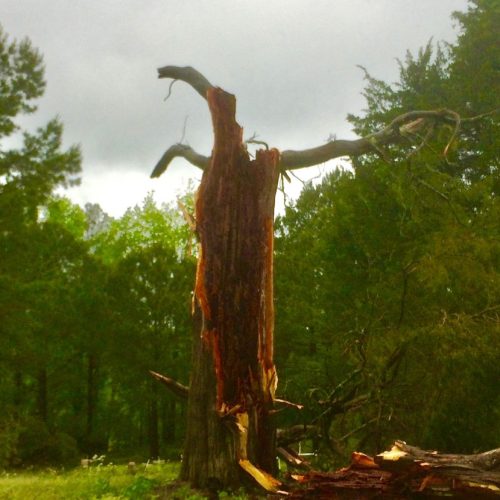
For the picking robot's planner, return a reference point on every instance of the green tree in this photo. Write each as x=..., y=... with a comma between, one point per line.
x=402, y=256
x=35, y=257
x=28, y=175
x=410, y=183
x=149, y=291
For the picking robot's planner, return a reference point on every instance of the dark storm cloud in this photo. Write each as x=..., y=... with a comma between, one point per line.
x=291, y=63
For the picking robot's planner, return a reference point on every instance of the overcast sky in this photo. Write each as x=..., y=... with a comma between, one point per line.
x=291, y=64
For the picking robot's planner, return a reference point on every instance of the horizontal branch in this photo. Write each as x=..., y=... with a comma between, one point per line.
x=189, y=75
x=401, y=127
x=176, y=387
x=182, y=151
x=407, y=123
x=289, y=404
x=291, y=160
x=395, y=132
x=487, y=461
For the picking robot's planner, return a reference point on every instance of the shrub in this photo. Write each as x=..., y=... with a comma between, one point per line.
x=9, y=436
x=38, y=446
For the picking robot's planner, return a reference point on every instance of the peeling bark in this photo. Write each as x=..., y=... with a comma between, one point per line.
x=231, y=394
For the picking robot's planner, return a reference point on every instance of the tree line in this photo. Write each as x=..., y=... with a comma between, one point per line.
x=387, y=282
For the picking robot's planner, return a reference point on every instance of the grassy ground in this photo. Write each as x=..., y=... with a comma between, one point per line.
x=106, y=482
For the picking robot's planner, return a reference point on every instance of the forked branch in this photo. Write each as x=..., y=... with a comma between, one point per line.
x=403, y=126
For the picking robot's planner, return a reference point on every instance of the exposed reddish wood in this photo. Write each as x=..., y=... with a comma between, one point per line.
x=407, y=472
x=233, y=381
x=234, y=279
x=349, y=483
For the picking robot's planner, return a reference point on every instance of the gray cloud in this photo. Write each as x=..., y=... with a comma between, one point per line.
x=291, y=64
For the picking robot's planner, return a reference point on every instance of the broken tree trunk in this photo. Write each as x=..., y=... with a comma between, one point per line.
x=407, y=472
x=233, y=378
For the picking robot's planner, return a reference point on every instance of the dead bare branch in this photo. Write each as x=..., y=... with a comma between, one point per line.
x=293, y=458
x=170, y=90
x=407, y=123
x=481, y=116
x=176, y=387
x=454, y=134
x=403, y=126
x=254, y=140
x=183, y=151
x=189, y=75
x=289, y=404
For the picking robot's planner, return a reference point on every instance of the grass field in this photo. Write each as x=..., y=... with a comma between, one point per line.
x=150, y=481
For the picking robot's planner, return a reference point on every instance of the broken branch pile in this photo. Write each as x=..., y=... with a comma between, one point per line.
x=406, y=472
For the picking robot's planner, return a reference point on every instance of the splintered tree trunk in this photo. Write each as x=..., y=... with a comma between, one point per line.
x=233, y=379
x=229, y=424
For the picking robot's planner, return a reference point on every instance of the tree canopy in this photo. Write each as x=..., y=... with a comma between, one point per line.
x=398, y=265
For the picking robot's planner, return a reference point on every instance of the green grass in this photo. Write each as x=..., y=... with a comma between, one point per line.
x=106, y=482
x=101, y=481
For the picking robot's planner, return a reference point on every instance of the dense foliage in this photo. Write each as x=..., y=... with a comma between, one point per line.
x=387, y=282
x=88, y=304
x=388, y=274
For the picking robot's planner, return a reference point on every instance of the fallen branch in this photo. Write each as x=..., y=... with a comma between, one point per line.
x=402, y=452
x=407, y=472
x=289, y=404
x=172, y=385
x=292, y=458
